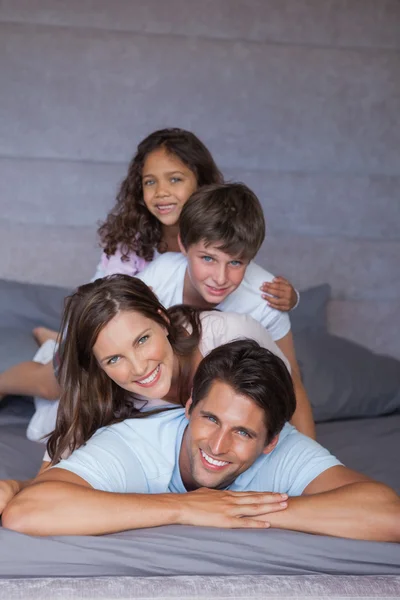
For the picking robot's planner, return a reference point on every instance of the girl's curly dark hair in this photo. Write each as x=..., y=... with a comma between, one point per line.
x=130, y=217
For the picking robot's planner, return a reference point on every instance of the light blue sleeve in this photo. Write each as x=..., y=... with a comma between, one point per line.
x=295, y=462
x=107, y=463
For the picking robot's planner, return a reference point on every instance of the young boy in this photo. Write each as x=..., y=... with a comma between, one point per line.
x=221, y=230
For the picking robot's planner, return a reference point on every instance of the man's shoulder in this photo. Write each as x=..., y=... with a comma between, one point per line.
x=168, y=419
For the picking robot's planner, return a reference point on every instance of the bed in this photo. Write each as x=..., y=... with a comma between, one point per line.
x=356, y=398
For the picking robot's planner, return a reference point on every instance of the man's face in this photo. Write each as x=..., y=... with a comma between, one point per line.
x=225, y=435
x=212, y=273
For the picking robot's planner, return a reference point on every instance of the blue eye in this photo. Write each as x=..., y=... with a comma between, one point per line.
x=243, y=433
x=236, y=263
x=113, y=360
x=148, y=182
x=143, y=339
x=175, y=179
x=210, y=418
x=207, y=259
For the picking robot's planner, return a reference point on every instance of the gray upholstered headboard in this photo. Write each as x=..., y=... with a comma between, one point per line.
x=299, y=99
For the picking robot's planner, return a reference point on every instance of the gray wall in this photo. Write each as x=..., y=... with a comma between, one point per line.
x=300, y=99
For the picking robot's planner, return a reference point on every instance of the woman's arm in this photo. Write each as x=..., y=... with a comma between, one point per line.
x=11, y=487
x=303, y=418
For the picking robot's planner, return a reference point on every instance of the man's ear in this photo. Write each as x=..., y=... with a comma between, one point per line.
x=272, y=445
x=181, y=246
x=187, y=407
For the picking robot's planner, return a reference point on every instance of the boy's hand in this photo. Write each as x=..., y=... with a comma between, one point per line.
x=279, y=294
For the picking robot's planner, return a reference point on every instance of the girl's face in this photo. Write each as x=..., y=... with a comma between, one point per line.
x=135, y=353
x=167, y=184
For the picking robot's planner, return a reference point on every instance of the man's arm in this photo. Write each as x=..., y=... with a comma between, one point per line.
x=303, y=418
x=60, y=502
x=343, y=503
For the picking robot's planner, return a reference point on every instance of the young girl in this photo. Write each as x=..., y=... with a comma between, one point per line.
x=168, y=167
x=124, y=355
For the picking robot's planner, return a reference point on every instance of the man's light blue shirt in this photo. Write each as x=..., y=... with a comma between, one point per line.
x=142, y=456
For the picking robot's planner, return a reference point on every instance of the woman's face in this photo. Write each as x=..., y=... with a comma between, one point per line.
x=135, y=353
x=167, y=184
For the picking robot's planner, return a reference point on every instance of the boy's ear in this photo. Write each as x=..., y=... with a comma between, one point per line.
x=187, y=407
x=181, y=246
x=272, y=445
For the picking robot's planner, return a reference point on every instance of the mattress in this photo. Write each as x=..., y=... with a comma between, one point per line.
x=180, y=561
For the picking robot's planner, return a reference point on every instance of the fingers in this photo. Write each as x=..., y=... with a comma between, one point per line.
x=276, y=288
x=257, y=510
x=277, y=303
x=256, y=497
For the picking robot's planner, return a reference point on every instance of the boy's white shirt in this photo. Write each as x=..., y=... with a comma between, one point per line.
x=166, y=276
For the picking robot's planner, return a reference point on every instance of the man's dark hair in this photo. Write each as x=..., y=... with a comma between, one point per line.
x=229, y=215
x=251, y=371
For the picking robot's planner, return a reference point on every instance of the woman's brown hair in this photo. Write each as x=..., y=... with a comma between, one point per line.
x=89, y=398
x=130, y=226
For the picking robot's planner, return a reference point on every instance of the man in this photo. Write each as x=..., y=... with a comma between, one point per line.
x=232, y=461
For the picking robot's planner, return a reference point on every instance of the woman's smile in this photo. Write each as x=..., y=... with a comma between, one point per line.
x=150, y=379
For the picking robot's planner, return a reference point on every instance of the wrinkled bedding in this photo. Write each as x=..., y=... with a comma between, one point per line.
x=182, y=551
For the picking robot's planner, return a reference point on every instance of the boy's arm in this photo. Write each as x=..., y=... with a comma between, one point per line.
x=60, y=502
x=343, y=503
x=303, y=417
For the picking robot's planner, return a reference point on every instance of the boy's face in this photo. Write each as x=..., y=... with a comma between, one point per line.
x=212, y=273
x=225, y=435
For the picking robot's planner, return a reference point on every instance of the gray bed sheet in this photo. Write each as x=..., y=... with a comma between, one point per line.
x=369, y=445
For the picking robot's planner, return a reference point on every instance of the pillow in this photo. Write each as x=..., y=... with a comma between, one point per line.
x=26, y=305
x=311, y=311
x=345, y=380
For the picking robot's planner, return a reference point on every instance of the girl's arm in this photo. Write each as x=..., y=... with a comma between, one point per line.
x=280, y=294
x=303, y=418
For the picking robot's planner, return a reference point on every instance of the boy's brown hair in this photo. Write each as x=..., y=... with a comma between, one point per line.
x=228, y=215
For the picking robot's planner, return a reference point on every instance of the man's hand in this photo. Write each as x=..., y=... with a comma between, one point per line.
x=279, y=294
x=215, y=508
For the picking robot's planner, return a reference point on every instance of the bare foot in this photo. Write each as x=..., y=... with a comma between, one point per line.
x=42, y=334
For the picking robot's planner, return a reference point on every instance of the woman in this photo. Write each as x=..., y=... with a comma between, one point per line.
x=125, y=355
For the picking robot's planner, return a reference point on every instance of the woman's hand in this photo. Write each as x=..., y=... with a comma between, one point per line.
x=280, y=294
x=215, y=508
x=8, y=489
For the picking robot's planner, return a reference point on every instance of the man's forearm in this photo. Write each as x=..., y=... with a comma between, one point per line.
x=65, y=508
x=365, y=510
x=61, y=508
